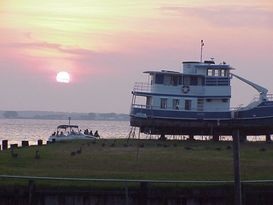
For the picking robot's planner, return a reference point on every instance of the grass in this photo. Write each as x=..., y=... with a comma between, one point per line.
x=140, y=159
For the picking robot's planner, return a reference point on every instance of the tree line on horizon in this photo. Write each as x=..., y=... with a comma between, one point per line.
x=62, y=115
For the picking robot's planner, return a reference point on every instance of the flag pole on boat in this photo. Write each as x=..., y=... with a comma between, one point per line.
x=202, y=45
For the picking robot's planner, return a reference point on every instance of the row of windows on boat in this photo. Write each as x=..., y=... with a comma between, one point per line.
x=176, y=103
x=176, y=80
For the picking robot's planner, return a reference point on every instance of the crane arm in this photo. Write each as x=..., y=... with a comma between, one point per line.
x=262, y=91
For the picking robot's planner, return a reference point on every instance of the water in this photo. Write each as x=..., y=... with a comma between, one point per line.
x=16, y=130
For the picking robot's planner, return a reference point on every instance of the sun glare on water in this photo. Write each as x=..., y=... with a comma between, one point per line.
x=63, y=77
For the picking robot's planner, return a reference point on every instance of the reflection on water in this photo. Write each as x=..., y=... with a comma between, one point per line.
x=16, y=130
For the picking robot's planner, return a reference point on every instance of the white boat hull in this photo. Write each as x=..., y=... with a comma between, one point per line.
x=69, y=137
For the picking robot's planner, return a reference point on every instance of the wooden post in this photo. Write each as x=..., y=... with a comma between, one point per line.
x=5, y=144
x=25, y=143
x=268, y=138
x=13, y=146
x=31, y=187
x=236, y=164
x=144, y=192
x=242, y=137
x=40, y=142
x=126, y=194
x=215, y=138
x=191, y=137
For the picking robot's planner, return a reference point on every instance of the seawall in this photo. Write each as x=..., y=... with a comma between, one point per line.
x=143, y=195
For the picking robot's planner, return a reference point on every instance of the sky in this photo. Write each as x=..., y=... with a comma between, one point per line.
x=106, y=46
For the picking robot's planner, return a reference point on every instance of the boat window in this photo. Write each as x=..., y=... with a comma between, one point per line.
x=180, y=80
x=187, y=104
x=216, y=72
x=210, y=72
x=148, y=101
x=152, y=79
x=176, y=104
x=167, y=80
x=163, y=103
x=223, y=73
x=159, y=79
x=174, y=80
x=200, y=104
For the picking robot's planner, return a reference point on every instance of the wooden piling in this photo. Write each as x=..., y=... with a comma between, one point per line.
x=215, y=138
x=25, y=143
x=236, y=164
x=13, y=146
x=268, y=138
x=40, y=142
x=144, y=192
x=243, y=137
x=5, y=144
x=191, y=137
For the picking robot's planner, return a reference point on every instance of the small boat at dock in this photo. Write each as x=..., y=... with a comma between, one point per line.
x=71, y=132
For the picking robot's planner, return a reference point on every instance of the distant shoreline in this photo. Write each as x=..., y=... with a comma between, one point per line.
x=47, y=115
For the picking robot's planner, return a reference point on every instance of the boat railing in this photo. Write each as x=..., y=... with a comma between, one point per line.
x=270, y=97
x=142, y=87
x=141, y=106
x=254, y=102
x=170, y=108
x=237, y=108
x=257, y=97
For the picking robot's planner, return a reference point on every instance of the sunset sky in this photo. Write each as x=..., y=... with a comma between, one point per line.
x=105, y=45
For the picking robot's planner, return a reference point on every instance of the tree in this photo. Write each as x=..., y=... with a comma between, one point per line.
x=92, y=116
x=10, y=114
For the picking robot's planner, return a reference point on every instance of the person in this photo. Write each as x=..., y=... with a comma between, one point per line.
x=96, y=134
x=91, y=133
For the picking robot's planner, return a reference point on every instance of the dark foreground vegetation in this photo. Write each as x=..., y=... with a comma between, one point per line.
x=134, y=159
x=139, y=159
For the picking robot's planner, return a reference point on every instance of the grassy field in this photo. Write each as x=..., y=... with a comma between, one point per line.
x=140, y=159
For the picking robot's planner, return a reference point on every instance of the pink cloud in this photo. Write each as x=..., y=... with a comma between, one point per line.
x=227, y=16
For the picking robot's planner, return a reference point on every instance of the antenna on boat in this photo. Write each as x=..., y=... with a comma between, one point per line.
x=201, y=48
x=69, y=118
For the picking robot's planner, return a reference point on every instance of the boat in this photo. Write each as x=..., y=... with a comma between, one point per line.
x=71, y=132
x=196, y=101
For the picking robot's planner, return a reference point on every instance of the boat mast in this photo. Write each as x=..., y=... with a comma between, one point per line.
x=202, y=45
x=263, y=91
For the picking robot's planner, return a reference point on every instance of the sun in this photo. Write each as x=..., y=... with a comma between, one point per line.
x=63, y=77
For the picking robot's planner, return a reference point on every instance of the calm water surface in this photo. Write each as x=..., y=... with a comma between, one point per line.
x=16, y=130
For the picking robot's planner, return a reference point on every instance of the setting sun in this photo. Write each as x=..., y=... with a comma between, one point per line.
x=63, y=77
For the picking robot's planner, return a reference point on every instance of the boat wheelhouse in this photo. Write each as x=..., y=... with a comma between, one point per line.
x=196, y=101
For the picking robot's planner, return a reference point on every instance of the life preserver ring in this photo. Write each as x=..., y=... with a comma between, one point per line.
x=185, y=89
